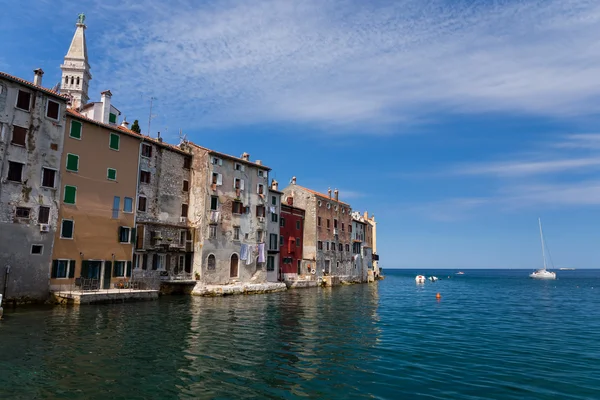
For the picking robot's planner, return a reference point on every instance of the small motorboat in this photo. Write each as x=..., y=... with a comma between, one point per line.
x=420, y=279
x=460, y=273
x=433, y=278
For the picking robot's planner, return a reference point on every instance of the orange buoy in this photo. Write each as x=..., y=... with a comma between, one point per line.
x=438, y=296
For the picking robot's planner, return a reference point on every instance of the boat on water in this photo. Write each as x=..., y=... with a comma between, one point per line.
x=542, y=273
x=433, y=278
x=460, y=273
x=567, y=269
x=420, y=279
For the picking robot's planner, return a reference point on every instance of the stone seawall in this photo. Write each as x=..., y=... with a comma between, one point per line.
x=238, y=288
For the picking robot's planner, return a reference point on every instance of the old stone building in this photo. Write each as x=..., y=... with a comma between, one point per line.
x=164, y=242
x=228, y=206
x=326, y=232
x=371, y=239
x=32, y=123
x=273, y=227
x=359, y=245
x=292, y=242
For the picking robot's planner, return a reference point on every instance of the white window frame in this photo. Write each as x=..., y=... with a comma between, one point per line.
x=109, y=140
x=128, y=234
x=41, y=253
x=72, y=230
x=236, y=229
x=55, y=176
x=46, y=112
x=17, y=100
x=107, y=177
x=162, y=262
x=80, y=131
x=216, y=161
x=142, y=152
x=67, y=162
x=258, y=187
x=212, y=227
x=182, y=237
x=124, y=269
x=124, y=201
x=261, y=173
x=65, y=192
x=239, y=167
x=66, y=269
x=241, y=183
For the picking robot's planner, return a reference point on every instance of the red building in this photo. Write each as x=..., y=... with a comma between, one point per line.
x=291, y=233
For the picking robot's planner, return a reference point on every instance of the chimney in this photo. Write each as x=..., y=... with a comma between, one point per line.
x=293, y=180
x=366, y=215
x=274, y=184
x=159, y=138
x=259, y=162
x=246, y=156
x=105, y=100
x=329, y=192
x=125, y=124
x=37, y=77
x=336, y=194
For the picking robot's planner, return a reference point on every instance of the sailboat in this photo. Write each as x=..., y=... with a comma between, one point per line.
x=542, y=273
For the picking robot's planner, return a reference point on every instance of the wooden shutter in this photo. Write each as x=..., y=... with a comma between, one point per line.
x=241, y=184
x=128, y=273
x=154, y=262
x=114, y=269
x=133, y=235
x=71, y=268
x=84, y=269
x=54, y=271
x=219, y=179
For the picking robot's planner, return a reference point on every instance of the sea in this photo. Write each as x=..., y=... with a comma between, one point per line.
x=491, y=334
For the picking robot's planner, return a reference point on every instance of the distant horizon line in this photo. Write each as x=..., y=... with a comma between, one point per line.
x=473, y=268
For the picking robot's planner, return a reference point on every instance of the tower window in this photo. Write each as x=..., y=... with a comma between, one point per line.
x=66, y=80
x=72, y=80
x=77, y=81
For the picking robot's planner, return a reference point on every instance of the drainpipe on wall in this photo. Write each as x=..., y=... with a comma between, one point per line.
x=6, y=274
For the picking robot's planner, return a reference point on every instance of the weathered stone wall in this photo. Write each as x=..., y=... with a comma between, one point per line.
x=29, y=273
x=273, y=228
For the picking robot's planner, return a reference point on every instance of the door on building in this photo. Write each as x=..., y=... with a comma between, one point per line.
x=188, y=262
x=327, y=266
x=90, y=269
x=107, y=274
x=271, y=270
x=233, y=267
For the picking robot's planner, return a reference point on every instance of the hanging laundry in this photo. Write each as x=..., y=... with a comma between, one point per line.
x=250, y=254
x=244, y=252
x=261, y=252
x=273, y=210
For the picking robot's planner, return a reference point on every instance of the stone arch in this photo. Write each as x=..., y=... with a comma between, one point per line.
x=234, y=266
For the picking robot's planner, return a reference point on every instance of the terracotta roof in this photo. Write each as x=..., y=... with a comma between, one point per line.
x=33, y=86
x=241, y=160
x=325, y=196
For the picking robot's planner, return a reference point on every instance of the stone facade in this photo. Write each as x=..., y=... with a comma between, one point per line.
x=292, y=242
x=164, y=241
x=272, y=241
x=32, y=123
x=234, y=214
x=360, y=248
x=76, y=70
x=326, y=232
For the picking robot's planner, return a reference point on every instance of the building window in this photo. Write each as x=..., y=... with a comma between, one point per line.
x=260, y=211
x=274, y=200
x=119, y=269
x=328, y=223
x=212, y=231
x=342, y=227
x=66, y=229
x=320, y=245
x=19, y=136
x=43, y=215
x=75, y=131
x=237, y=207
x=260, y=188
x=260, y=236
x=297, y=242
x=144, y=176
x=186, y=186
x=111, y=174
x=15, y=171
x=182, y=237
x=327, y=246
x=298, y=225
x=347, y=247
x=273, y=241
x=238, y=167
x=187, y=163
x=281, y=240
x=261, y=173
x=146, y=150
x=22, y=212
x=236, y=233
x=211, y=263
x=216, y=161
x=184, y=210
x=23, y=100
x=274, y=217
x=340, y=247
x=112, y=118
x=328, y=206
x=62, y=269
x=299, y=267
x=70, y=194
x=52, y=109
x=214, y=203
x=114, y=141
x=217, y=179
x=48, y=177
x=124, y=234
x=238, y=184
x=116, y=207
x=335, y=223
x=128, y=205
x=319, y=203
x=350, y=228
x=141, y=203
x=318, y=221
x=270, y=263
x=282, y=222
x=72, y=162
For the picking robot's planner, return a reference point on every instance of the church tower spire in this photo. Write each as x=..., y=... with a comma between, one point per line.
x=75, y=69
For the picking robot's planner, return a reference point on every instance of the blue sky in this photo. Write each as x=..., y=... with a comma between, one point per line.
x=456, y=122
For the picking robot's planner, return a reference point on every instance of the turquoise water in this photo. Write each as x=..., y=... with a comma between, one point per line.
x=493, y=335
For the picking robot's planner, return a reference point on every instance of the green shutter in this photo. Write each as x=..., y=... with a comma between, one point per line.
x=114, y=141
x=75, y=130
x=107, y=269
x=84, y=269
x=115, y=268
x=70, y=194
x=112, y=118
x=133, y=235
x=119, y=234
x=112, y=174
x=54, y=271
x=128, y=274
x=154, y=262
x=72, y=162
x=67, y=229
x=71, y=268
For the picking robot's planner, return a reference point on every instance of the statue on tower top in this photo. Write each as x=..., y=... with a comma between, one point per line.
x=81, y=18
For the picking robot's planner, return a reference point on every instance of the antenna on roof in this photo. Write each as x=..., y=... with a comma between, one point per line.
x=182, y=137
x=150, y=116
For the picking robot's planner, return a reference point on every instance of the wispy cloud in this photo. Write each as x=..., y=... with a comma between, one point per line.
x=524, y=168
x=588, y=141
x=340, y=63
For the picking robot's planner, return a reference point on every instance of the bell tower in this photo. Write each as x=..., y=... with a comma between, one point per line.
x=75, y=69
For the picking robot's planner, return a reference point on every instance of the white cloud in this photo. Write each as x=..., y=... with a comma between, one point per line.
x=580, y=141
x=337, y=63
x=524, y=168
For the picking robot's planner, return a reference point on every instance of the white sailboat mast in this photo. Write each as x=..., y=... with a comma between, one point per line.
x=542, y=239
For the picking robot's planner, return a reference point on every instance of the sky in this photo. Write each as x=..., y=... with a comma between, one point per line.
x=457, y=123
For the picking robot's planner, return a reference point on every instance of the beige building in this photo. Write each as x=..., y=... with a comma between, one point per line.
x=95, y=236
